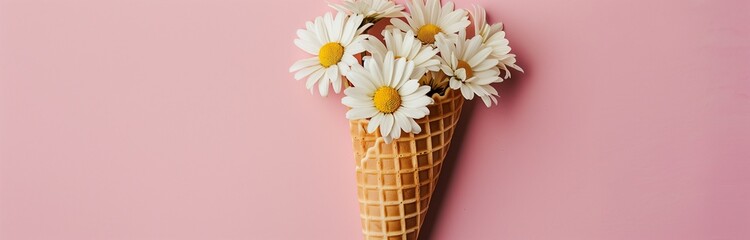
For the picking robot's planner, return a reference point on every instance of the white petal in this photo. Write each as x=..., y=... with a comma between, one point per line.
x=375, y=122
x=314, y=78
x=306, y=46
x=361, y=113
x=343, y=68
x=455, y=84
x=479, y=91
x=349, y=29
x=359, y=93
x=490, y=90
x=309, y=36
x=386, y=125
x=486, y=80
x=306, y=71
x=447, y=70
x=486, y=100
x=422, y=90
x=354, y=102
x=424, y=55
x=398, y=73
x=443, y=45
x=374, y=46
x=433, y=10
x=323, y=86
x=418, y=13
x=492, y=72
x=419, y=102
x=415, y=128
x=479, y=57
x=472, y=49
x=461, y=73
x=355, y=47
x=387, y=139
x=412, y=112
x=400, y=24
x=466, y=92
x=338, y=25
x=361, y=79
x=484, y=65
x=320, y=30
x=516, y=67
x=349, y=60
x=409, y=87
x=376, y=72
x=396, y=131
x=304, y=63
x=328, y=23
x=403, y=121
x=407, y=74
x=409, y=41
x=388, y=70
x=337, y=83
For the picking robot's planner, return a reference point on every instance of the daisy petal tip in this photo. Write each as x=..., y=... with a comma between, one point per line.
x=414, y=131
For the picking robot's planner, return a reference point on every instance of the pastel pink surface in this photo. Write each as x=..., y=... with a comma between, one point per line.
x=178, y=120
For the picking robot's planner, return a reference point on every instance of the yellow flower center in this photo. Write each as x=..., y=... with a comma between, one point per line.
x=427, y=33
x=330, y=54
x=466, y=67
x=387, y=99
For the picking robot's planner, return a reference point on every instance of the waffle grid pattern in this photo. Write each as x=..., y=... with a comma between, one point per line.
x=395, y=181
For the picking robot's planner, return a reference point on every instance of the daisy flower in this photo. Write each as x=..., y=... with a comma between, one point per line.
x=494, y=37
x=373, y=10
x=470, y=67
x=404, y=45
x=385, y=93
x=334, y=41
x=429, y=19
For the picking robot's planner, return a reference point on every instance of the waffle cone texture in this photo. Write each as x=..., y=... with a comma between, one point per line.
x=395, y=181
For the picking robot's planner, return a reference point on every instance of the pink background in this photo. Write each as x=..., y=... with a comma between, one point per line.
x=176, y=119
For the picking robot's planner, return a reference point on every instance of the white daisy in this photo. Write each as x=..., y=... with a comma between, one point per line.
x=407, y=46
x=470, y=67
x=427, y=20
x=373, y=10
x=334, y=41
x=385, y=93
x=494, y=37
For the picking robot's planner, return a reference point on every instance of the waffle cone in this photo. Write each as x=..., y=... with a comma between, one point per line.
x=395, y=181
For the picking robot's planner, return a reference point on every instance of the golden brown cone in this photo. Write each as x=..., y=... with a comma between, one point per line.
x=395, y=181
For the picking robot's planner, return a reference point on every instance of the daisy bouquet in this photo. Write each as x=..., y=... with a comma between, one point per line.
x=405, y=87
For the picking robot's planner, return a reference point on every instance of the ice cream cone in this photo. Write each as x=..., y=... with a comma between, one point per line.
x=395, y=181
